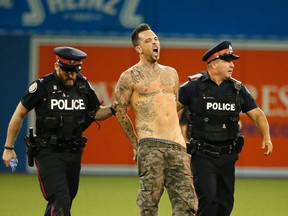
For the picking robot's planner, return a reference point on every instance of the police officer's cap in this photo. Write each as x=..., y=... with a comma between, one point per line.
x=222, y=51
x=69, y=58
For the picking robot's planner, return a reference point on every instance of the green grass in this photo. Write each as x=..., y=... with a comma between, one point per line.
x=265, y=197
x=116, y=196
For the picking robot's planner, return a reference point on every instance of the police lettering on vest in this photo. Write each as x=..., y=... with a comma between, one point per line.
x=220, y=106
x=65, y=104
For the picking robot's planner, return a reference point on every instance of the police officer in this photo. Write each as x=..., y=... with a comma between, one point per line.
x=215, y=100
x=65, y=105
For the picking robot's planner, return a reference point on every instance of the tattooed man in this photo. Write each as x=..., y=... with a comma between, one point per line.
x=159, y=147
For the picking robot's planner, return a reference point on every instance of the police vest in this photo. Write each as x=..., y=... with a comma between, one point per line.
x=63, y=115
x=217, y=117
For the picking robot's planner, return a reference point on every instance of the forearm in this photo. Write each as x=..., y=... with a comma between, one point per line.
x=128, y=128
x=12, y=133
x=15, y=125
x=261, y=122
x=13, y=130
x=179, y=106
x=103, y=113
x=263, y=127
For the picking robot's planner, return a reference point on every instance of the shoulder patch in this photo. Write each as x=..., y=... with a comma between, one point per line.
x=195, y=76
x=33, y=87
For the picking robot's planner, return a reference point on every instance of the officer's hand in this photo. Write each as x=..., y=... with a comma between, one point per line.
x=267, y=144
x=7, y=156
x=114, y=105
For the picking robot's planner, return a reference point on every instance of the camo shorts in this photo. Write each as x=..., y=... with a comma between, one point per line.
x=165, y=164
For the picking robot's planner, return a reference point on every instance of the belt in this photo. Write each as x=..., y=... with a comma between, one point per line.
x=63, y=146
x=227, y=149
x=212, y=148
x=161, y=143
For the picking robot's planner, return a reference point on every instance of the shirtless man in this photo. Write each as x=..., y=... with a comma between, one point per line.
x=152, y=91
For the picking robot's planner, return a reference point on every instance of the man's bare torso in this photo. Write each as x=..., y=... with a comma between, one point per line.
x=154, y=102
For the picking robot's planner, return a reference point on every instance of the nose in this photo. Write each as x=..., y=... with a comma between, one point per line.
x=155, y=41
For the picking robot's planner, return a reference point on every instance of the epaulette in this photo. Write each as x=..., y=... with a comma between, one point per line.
x=235, y=80
x=237, y=83
x=46, y=78
x=80, y=76
x=195, y=76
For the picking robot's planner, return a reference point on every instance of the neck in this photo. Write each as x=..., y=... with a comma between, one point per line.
x=218, y=80
x=150, y=70
x=151, y=65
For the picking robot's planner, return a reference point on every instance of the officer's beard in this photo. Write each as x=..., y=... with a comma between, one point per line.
x=68, y=80
x=69, y=83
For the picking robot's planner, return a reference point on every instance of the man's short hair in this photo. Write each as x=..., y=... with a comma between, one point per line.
x=140, y=28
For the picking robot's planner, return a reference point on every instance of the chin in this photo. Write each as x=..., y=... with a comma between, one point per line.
x=154, y=60
x=69, y=84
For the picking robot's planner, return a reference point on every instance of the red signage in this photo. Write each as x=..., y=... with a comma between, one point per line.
x=262, y=71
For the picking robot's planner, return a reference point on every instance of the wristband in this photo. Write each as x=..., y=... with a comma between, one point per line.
x=8, y=148
x=113, y=111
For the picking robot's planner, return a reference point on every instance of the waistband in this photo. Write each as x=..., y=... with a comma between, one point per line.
x=74, y=145
x=161, y=143
x=218, y=143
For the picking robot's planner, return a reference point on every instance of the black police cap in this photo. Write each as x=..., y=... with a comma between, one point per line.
x=70, y=53
x=69, y=58
x=222, y=51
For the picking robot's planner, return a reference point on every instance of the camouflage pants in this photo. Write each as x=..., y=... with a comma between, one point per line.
x=163, y=163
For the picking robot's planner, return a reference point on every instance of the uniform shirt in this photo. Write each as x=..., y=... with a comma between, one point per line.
x=188, y=93
x=37, y=94
x=61, y=112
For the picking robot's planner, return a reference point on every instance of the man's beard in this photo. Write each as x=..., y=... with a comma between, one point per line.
x=68, y=83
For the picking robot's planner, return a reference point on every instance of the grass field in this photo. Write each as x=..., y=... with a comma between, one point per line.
x=115, y=196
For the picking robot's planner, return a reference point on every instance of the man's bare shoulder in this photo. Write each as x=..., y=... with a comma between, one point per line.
x=126, y=75
x=168, y=69
x=130, y=70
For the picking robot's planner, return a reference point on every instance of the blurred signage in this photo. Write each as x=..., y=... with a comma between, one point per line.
x=66, y=16
x=181, y=18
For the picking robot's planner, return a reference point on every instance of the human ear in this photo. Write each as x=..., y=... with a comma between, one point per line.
x=138, y=49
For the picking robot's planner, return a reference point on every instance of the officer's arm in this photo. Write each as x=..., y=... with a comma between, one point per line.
x=182, y=96
x=105, y=112
x=179, y=106
x=102, y=112
x=261, y=122
x=13, y=131
x=123, y=92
